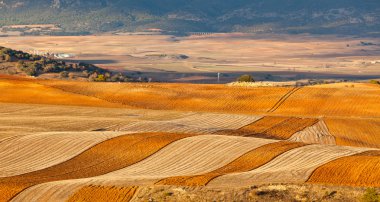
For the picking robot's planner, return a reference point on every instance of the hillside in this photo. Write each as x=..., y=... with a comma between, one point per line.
x=348, y=17
x=88, y=141
x=14, y=62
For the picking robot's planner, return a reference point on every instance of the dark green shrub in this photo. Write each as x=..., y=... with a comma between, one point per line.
x=245, y=78
x=371, y=195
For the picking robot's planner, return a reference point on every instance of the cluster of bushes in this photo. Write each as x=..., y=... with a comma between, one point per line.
x=35, y=65
x=10, y=55
x=371, y=195
x=375, y=82
x=245, y=78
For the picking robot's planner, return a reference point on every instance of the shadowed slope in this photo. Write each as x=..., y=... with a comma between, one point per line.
x=358, y=170
x=246, y=162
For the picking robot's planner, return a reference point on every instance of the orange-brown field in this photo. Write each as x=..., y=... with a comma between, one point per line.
x=159, y=56
x=82, y=141
x=358, y=170
x=247, y=162
x=103, y=193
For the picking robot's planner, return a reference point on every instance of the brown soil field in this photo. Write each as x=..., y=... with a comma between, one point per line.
x=189, y=156
x=103, y=193
x=287, y=128
x=273, y=127
x=120, y=135
x=358, y=170
x=293, y=54
x=257, y=127
x=210, y=98
x=360, y=101
x=355, y=132
x=23, y=154
x=331, y=100
x=17, y=90
x=294, y=166
x=103, y=158
x=249, y=161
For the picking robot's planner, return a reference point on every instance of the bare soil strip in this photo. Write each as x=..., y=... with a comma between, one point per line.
x=189, y=156
x=249, y=161
x=294, y=166
x=23, y=154
x=287, y=128
x=103, y=158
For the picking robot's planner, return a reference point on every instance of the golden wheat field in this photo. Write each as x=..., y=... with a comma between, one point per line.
x=81, y=141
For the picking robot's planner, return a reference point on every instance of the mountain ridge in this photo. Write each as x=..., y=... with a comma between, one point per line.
x=349, y=17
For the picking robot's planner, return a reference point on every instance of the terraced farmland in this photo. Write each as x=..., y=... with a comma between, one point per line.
x=123, y=142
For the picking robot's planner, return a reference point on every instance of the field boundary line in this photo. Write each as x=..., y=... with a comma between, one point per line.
x=283, y=99
x=357, y=154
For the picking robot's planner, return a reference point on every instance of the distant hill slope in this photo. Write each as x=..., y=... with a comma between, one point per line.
x=350, y=17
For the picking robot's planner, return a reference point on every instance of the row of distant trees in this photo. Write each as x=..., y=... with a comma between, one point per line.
x=35, y=65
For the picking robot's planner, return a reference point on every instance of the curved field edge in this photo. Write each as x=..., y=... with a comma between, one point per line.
x=294, y=166
x=273, y=127
x=362, y=169
x=248, y=161
x=28, y=153
x=103, y=158
x=188, y=156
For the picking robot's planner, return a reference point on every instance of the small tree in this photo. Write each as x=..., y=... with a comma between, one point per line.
x=245, y=78
x=100, y=78
x=374, y=82
x=20, y=64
